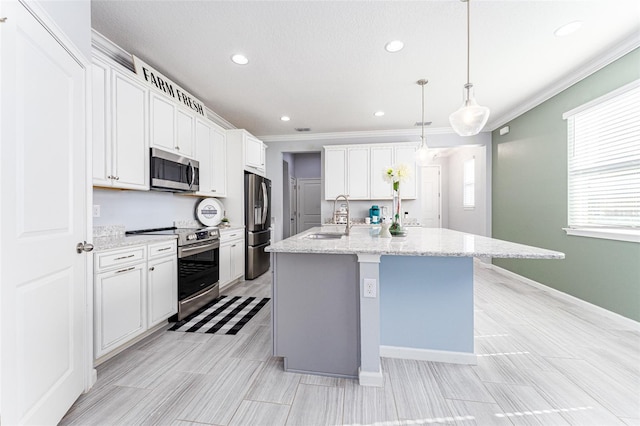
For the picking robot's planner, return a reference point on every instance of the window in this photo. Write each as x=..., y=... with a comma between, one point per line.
x=604, y=165
x=469, y=184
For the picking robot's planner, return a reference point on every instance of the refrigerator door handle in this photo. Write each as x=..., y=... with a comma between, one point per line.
x=265, y=203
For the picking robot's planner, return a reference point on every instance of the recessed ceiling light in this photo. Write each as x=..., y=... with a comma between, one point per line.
x=394, y=46
x=567, y=29
x=378, y=113
x=239, y=59
x=285, y=118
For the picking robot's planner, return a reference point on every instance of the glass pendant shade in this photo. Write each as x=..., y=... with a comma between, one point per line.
x=423, y=155
x=471, y=117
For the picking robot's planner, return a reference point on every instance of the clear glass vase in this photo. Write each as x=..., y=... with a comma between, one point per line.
x=396, y=228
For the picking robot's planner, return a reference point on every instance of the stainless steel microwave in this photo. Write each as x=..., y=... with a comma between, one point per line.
x=172, y=172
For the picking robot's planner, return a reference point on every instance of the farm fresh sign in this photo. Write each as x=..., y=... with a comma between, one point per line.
x=155, y=79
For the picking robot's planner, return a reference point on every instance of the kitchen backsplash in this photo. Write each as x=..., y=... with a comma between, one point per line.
x=143, y=209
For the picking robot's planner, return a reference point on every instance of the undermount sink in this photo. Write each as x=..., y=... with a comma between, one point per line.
x=325, y=236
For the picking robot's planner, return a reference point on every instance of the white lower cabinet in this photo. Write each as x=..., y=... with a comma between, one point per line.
x=135, y=289
x=120, y=306
x=162, y=286
x=231, y=256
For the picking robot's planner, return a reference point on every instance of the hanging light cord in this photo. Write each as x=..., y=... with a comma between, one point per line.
x=422, y=137
x=422, y=82
x=468, y=40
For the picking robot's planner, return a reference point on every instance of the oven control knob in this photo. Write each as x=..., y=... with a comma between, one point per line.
x=192, y=237
x=212, y=233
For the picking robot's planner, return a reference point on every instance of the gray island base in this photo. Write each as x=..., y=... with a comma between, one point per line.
x=338, y=305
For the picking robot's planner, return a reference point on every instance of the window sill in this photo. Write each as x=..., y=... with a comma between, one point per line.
x=606, y=234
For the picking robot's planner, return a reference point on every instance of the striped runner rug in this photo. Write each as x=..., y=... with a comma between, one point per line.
x=225, y=315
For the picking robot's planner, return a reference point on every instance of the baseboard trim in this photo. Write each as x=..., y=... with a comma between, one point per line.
x=428, y=355
x=624, y=321
x=371, y=378
x=128, y=344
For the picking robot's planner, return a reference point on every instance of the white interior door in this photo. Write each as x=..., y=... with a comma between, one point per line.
x=430, y=199
x=309, y=214
x=43, y=186
x=293, y=196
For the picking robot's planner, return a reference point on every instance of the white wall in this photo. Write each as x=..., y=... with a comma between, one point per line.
x=474, y=220
x=307, y=165
x=67, y=15
x=276, y=149
x=143, y=209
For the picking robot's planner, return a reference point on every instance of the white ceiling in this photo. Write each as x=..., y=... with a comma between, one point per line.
x=323, y=63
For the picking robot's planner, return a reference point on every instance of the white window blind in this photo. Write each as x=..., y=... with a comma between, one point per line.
x=469, y=184
x=604, y=161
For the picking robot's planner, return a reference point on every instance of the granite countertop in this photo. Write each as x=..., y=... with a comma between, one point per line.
x=111, y=242
x=418, y=242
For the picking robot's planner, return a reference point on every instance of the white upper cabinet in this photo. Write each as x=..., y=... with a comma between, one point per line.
x=120, y=129
x=335, y=172
x=358, y=170
x=172, y=129
x=185, y=133
x=162, y=122
x=381, y=159
x=253, y=150
x=211, y=153
x=254, y=153
x=358, y=173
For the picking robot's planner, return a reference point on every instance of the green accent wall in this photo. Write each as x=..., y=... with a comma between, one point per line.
x=529, y=201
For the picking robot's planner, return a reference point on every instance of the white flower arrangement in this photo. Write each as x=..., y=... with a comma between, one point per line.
x=396, y=174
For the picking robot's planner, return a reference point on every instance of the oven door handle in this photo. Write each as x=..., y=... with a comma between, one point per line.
x=188, y=251
x=198, y=296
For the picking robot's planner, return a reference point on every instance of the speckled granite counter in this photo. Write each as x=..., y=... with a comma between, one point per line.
x=112, y=237
x=418, y=242
x=120, y=241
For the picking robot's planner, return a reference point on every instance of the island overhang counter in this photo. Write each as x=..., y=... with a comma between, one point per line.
x=340, y=304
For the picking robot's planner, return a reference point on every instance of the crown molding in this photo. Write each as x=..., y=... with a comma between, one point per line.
x=124, y=58
x=366, y=134
x=611, y=55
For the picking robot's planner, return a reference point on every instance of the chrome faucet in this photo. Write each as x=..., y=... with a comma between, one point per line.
x=348, y=225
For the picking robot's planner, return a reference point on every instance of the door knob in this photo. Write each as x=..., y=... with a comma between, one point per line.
x=84, y=246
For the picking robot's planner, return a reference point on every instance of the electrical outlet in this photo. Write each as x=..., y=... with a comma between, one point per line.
x=96, y=210
x=370, y=288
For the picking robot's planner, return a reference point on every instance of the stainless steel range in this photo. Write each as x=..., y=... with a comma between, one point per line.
x=198, y=266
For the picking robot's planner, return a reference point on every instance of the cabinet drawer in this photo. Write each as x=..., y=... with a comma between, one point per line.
x=114, y=259
x=164, y=248
x=231, y=236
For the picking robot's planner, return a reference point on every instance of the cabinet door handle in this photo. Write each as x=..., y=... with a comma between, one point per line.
x=153, y=268
x=177, y=148
x=125, y=270
x=214, y=190
x=234, y=245
x=165, y=249
x=124, y=257
x=232, y=235
x=117, y=177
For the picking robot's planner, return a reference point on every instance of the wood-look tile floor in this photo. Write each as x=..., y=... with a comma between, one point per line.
x=542, y=361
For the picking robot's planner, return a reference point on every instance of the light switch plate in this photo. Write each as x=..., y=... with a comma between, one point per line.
x=370, y=288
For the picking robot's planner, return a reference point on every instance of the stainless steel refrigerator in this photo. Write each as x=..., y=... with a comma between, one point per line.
x=257, y=205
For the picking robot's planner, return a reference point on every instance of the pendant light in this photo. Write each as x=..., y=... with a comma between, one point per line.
x=422, y=154
x=471, y=117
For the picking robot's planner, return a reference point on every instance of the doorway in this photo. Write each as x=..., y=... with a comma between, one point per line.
x=301, y=191
x=431, y=204
x=308, y=204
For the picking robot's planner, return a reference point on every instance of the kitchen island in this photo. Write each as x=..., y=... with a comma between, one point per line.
x=339, y=304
